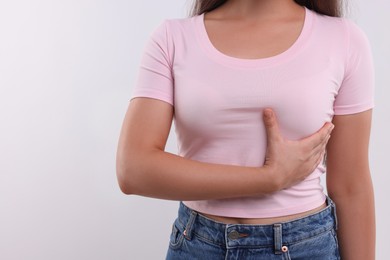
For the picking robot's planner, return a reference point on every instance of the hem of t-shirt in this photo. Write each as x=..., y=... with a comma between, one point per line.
x=348, y=110
x=253, y=213
x=148, y=95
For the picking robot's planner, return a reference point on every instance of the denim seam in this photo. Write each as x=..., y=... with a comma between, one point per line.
x=298, y=241
x=271, y=246
x=200, y=236
x=181, y=224
x=334, y=234
x=177, y=242
x=206, y=240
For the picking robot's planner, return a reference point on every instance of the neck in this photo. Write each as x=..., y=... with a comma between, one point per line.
x=254, y=9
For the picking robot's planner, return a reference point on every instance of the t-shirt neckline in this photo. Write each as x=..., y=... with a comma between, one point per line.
x=225, y=59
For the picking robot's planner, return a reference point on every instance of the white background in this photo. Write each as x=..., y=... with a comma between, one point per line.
x=66, y=73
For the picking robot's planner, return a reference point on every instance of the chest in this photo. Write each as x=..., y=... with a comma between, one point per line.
x=217, y=99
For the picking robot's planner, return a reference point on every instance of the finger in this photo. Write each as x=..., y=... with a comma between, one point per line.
x=319, y=160
x=319, y=137
x=321, y=147
x=271, y=124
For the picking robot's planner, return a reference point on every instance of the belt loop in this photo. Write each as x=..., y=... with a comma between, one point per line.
x=191, y=220
x=278, y=239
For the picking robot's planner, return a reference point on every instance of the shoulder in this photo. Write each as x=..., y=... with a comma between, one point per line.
x=176, y=33
x=171, y=36
x=341, y=26
x=342, y=33
x=175, y=24
x=357, y=37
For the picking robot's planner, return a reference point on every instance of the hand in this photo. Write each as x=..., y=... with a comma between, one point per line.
x=292, y=161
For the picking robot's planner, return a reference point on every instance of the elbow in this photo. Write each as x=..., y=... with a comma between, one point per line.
x=132, y=166
x=125, y=174
x=123, y=184
x=350, y=184
x=124, y=181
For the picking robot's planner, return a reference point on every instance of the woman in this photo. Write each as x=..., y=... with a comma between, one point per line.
x=249, y=186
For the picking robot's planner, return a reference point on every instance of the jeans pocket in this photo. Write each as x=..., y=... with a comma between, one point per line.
x=176, y=238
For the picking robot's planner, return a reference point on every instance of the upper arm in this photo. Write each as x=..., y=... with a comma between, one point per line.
x=146, y=125
x=145, y=128
x=347, y=153
x=149, y=117
x=347, y=150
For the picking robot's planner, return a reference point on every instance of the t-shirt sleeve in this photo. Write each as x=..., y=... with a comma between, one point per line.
x=356, y=93
x=155, y=77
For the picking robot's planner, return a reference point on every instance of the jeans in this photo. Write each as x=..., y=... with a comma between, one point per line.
x=312, y=237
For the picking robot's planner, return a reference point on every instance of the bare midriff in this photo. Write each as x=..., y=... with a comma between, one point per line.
x=263, y=221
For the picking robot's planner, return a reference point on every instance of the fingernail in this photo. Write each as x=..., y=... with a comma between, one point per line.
x=268, y=113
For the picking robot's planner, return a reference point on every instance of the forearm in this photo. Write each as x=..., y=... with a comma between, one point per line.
x=144, y=168
x=163, y=175
x=356, y=222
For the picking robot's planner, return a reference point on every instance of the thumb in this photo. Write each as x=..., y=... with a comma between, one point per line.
x=271, y=125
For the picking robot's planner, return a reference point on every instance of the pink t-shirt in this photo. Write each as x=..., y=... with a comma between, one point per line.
x=218, y=99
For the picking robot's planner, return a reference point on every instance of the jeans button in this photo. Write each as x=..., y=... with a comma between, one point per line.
x=234, y=234
x=284, y=249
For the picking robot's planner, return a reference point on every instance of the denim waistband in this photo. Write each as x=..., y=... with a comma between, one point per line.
x=193, y=223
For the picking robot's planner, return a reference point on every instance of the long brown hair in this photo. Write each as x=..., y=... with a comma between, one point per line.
x=327, y=7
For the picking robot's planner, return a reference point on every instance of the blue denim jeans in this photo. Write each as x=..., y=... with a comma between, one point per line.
x=194, y=236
